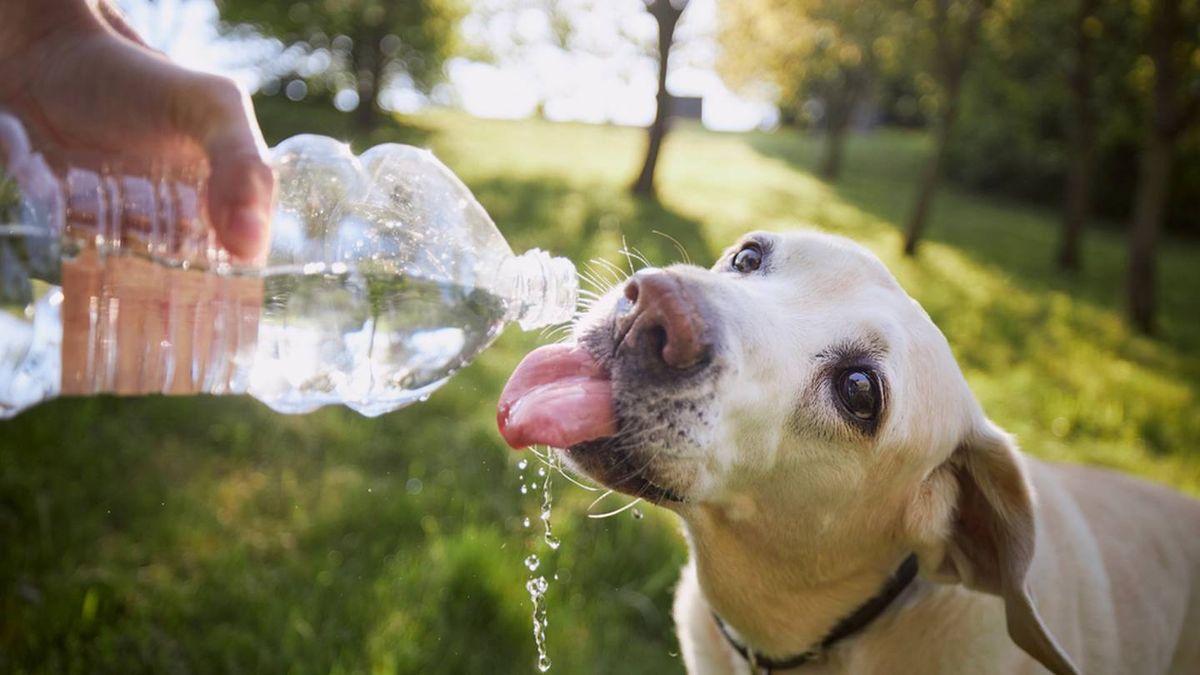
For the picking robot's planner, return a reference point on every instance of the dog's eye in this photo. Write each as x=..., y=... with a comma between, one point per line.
x=858, y=392
x=748, y=259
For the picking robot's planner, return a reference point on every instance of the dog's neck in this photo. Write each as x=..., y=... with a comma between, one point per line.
x=782, y=592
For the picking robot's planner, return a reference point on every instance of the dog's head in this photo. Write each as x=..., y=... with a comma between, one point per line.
x=794, y=391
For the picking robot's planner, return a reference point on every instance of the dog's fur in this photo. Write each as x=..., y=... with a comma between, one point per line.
x=795, y=515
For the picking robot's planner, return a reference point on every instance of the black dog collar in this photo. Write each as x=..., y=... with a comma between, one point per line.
x=855, y=622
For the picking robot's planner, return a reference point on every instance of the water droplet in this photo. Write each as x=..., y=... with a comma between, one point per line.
x=537, y=586
x=637, y=514
x=522, y=464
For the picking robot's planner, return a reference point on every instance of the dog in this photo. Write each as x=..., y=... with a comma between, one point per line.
x=847, y=505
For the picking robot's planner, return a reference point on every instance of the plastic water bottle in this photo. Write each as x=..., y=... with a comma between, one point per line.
x=384, y=277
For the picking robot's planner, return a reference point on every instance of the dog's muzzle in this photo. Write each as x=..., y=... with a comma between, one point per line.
x=660, y=325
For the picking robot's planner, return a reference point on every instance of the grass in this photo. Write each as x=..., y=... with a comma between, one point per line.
x=210, y=535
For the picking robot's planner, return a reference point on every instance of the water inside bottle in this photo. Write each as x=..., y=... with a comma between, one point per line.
x=296, y=338
x=373, y=341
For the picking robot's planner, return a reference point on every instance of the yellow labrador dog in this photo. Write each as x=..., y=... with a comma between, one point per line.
x=848, y=506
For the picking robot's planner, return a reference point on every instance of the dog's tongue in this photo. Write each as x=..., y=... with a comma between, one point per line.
x=557, y=396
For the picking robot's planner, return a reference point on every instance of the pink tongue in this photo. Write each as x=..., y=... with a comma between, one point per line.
x=557, y=396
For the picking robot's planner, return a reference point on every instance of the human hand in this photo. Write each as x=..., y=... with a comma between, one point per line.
x=84, y=82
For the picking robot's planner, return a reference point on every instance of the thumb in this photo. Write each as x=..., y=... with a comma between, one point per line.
x=217, y=114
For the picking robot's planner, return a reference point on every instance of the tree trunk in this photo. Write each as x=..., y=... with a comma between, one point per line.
x=667, y=16
x=954, y=46
x=1077, y=204
x=1171, y=112
x=366, y=115
x=368, y=76
x=831, y=162
x=932, y=177
x=841, y=112
x=1154, y=177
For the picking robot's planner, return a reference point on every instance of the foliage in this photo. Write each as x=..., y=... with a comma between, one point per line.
x=210, y=535
x=1012, y=134
x=362, y=45
x=809, y=49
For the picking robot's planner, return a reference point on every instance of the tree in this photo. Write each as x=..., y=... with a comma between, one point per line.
x=1172, y=47
x=370, y=43
x=1081, y=136
x=1015, y=127
x=831, y=51
x=666, y=14
x=954, y=26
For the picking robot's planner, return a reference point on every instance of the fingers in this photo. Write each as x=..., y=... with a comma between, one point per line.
x=218, y=115
x=240, y=190
x=116, y=21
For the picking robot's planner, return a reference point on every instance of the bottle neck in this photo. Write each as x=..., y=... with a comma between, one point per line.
x=542, y=290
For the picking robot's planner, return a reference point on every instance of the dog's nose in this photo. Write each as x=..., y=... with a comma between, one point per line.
x=662, y=320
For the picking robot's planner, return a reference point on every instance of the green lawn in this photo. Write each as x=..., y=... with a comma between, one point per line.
x=211, y=535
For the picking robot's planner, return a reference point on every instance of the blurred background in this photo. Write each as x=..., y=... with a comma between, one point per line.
x=1029, y=170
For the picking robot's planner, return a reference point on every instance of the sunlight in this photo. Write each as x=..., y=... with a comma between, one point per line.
x=610, y=78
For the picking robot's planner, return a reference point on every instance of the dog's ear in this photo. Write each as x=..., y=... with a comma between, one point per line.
x=991, y=540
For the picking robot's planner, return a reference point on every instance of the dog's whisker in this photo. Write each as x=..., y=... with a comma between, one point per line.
x=599, y=499
x=550, y=459
x=615, y=269
x=678, y=246
x=550, y=330
x=600, y=275
x=618, y=275
x=635, y=254
x=629, y=257
x=593, y=277
x=610, y=514
x=639, y=470
x=633, y=442
x=541, y=457
x=571, y=479
x=556, y=330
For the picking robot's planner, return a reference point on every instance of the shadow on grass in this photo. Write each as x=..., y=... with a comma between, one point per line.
x=211, y=535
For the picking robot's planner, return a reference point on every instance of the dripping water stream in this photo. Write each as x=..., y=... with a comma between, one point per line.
x=537, y=585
